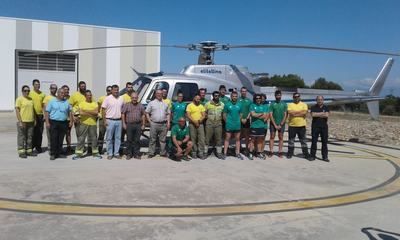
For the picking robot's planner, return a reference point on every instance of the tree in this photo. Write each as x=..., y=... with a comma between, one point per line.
x=288, y=81
x=322, y=83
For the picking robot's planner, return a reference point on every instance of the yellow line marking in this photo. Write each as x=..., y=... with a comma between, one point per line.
x=385, y=190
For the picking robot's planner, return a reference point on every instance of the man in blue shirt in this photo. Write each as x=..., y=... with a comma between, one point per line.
x=57, y=112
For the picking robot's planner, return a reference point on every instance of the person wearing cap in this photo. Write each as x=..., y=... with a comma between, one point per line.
x=297, y=111
x=319, y=127
x=24, y=109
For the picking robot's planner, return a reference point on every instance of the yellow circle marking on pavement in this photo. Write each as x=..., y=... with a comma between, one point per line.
x=390, y=187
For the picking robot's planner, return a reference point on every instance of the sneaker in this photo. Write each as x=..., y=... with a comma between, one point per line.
x=118, y=156
x=151, y=155
x=52, y=157
x=270, y=154
x=194, y=156
x=98, y=156
x=223, y=156
x=251, y=156
x=311, y=158
x=239, y=156
x=219, y=155
x=76, y=157
x=22, y=155
x=280, y=154
x=202, y=157
x=164, y=155
x=128, y=157
x=138, y=157
x=289, y=156
x=185, y=158
x=39, y=149
x=109, y=157
x=69, y=150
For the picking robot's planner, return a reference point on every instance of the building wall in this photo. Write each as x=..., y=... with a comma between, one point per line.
x=98, y=68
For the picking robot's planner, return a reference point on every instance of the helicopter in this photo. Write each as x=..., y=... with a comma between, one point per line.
x=208, y=75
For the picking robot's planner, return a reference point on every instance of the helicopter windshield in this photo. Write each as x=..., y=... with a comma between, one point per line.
x=140, y=86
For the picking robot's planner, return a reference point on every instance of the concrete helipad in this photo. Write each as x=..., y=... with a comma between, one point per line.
x=211, y=199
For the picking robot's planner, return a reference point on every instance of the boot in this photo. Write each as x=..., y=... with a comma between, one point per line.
x=305, y=153
x=290, y=152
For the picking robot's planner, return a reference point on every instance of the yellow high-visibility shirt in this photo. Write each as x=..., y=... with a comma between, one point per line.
x=47, y=99
x=86, y=106
x=37, y=99
x=195, y=112
x=100, y=102
x=297, y=121
x=26, y=109
x=126, y=98
x=168, y=102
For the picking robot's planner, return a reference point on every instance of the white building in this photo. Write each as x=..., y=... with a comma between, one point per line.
x=22, y=39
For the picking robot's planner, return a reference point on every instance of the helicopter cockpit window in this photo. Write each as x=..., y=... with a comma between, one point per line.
x=140, y=86
x=157, y=85
x=188, y=90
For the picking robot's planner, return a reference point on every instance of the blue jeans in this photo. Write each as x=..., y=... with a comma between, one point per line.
x=113, y=136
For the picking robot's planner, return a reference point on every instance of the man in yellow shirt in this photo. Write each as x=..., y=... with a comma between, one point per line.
x=165, y=98
x=75, y=99
x=102, y=127
x=88, y=111
x=25, y=112
x=196, y=114
x=129, y=91
x=37, y=97
x=297, y=125
x=46, y=100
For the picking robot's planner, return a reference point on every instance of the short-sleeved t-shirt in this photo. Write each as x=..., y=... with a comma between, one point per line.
x=26, y=109
x=232, y=112
x=75, y=99
x=86, y=106
x=214, y=112
x=278, y=110
x=37, y=99
x=179, y=133
x=47, y=99
x=258, y=122
x=178, y=109
x=99, y=102
x=319, y=121
x=113, y=106
x=224, y=99
x=126, y=98
x=58, y=109
x=168, y=102
x=195, y=111
x=245, y=102
x=297, y=121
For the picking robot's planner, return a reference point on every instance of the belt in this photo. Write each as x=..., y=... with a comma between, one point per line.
x=114, y=119
x=159, y=122
x=139, y=122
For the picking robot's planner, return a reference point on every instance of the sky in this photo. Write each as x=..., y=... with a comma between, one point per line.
x=358, y=24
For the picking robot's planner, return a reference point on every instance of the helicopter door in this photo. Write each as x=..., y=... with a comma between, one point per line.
x=156, y=86
x=189, y=90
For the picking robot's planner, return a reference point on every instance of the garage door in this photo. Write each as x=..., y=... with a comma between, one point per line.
x=60, y=69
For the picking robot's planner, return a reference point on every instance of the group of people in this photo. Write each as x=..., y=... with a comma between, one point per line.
x=196, y=127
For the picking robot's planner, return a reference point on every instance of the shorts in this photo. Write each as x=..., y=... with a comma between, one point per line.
x=257, y=132
x=273, y=129
x=232, y=131
x=247, y=124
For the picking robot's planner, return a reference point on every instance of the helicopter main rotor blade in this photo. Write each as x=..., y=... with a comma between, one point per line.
x=120, y=46
x=312, y=48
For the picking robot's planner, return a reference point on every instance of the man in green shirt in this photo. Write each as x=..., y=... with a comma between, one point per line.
x=245, y=103
x=178, y=109
x=259, y=116
x=180, y=138
x=222, y=91
x=232, y=116
x=278, y=115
